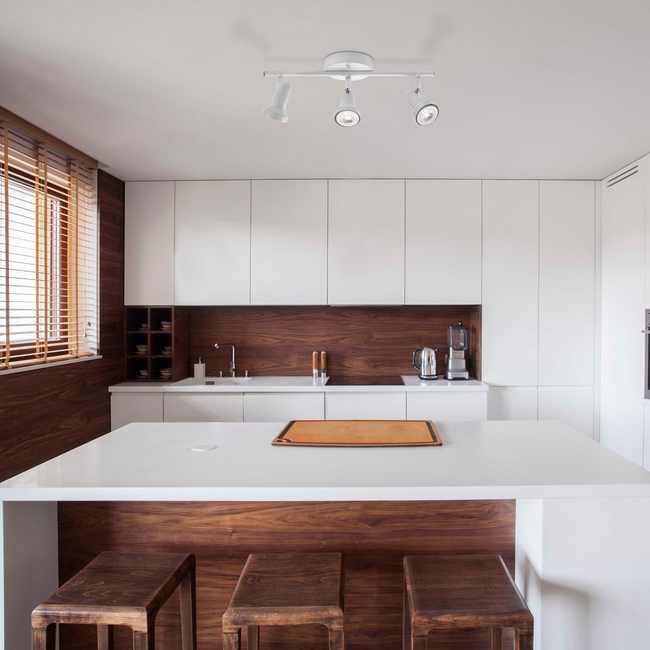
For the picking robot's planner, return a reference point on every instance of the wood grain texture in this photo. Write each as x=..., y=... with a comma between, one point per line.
x=360, y=341
x=48, y=411
x=374, y=537
x=461, y=591
x=287, y=589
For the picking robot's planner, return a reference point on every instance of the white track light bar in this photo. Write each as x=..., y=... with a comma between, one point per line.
x=350, y=66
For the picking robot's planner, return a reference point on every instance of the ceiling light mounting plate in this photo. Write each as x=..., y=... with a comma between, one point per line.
x=351, y=63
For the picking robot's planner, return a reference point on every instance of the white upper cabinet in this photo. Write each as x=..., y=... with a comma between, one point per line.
x=566, y=283
x=149, y=243
x=213, y=229
x=289, y=243
x=366, y=242
x=510, y=278
x=443, y=242
x=623, y=281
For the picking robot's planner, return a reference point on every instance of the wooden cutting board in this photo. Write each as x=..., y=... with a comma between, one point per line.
x=358, y=433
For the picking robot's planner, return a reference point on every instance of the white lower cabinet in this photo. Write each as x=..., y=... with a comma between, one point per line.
x=447, y=406
x=365, y=406
x=512, y=403
x=135, y=407
x=282, y=407
x=621, y=425
x=204, y=407
x=572, y=405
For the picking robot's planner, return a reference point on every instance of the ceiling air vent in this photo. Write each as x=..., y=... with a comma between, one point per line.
x=630, y=171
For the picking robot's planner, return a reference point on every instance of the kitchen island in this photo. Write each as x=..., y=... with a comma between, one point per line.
x=571, y=518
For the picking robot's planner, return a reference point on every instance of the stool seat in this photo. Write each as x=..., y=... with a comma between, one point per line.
x=121, y=589
x=462, y=591
x=286, y=589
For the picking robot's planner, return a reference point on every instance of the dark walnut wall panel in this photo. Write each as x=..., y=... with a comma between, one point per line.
x=360, y=341
x=48, y=411
x=374, y=537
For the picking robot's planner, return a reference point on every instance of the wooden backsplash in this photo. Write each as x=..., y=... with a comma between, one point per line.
x=361, y=341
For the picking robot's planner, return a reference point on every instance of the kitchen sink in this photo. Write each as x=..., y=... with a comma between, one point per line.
x=213, y=381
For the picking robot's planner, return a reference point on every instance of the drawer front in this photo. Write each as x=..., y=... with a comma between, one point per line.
x=365, y=406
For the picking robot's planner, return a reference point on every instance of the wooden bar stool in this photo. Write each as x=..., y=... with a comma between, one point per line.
x=121, y=589
x=462, y=591
x=286, y=589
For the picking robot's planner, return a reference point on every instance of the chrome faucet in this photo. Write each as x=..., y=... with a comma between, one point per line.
x=232, y=361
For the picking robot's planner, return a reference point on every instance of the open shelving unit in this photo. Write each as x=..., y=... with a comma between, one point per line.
x=144, y=327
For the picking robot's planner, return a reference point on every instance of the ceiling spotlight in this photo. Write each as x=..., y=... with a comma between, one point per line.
x=347, y=114
x=424, y=112
x=278, y=107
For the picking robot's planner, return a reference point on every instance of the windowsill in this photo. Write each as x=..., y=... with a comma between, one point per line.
x=53, y=364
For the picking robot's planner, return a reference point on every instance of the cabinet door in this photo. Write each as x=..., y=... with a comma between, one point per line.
x=517, y=403
x=443, y=242
x=621, y=425
x=566, y=283
x=623, y=282
x=366, y=243
x=135, y=407
x=572, y=405
x=213, y=242
x=510, y=313
x=282, y=407
x=447, y=406
x=365, y=406
x=149, y=243
x=289, y=243
x=204, y=407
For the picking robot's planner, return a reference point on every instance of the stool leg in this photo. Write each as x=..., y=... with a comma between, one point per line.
x=253, y=636
x=105, y=637
x=337, y=639
x=144, y=640
x=523, y=640
x=406, y=623
x=418, y=643
x=232, y=640
x=44, y=638
x=496, y=638
x=188, y=610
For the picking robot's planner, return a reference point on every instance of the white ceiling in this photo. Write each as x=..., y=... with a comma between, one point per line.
x=173, y=90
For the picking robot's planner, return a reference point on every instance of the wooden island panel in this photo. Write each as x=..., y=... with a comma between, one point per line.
x=373, y=536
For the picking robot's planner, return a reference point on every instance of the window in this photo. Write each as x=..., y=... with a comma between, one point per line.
x=48, y=253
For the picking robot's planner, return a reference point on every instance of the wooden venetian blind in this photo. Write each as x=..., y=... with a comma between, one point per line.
x=48, y=252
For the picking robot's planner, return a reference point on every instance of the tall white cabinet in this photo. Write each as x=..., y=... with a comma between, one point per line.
x=149, y=243
x=289, y=243
x=212, y=232
x=366, y=242
x=625, y=267
x=539, y=300
x=510, y=280
x=443, y=242
x=566, y=283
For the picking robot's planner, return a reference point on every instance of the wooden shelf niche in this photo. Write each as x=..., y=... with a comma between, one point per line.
x=144, y=327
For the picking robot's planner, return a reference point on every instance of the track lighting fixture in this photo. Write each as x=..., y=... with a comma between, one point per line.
x=347, y=114
x=277, y=110
x=350, y=66
x=424, y=112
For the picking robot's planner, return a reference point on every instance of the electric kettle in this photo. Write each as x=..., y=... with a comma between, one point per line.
x=426, y=363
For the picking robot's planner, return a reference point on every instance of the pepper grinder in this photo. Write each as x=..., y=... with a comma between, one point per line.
x=314, y=364
x=323, y=364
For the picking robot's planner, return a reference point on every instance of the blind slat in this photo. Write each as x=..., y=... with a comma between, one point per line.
x=48, y=252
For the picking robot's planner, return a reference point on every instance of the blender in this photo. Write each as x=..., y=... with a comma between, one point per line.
x=457, y=340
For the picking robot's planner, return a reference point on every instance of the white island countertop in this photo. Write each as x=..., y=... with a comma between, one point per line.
x=405, y=383
x=478, y=460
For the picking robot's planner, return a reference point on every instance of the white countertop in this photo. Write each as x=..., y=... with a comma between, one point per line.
x=411, y=383
x=478, y=460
